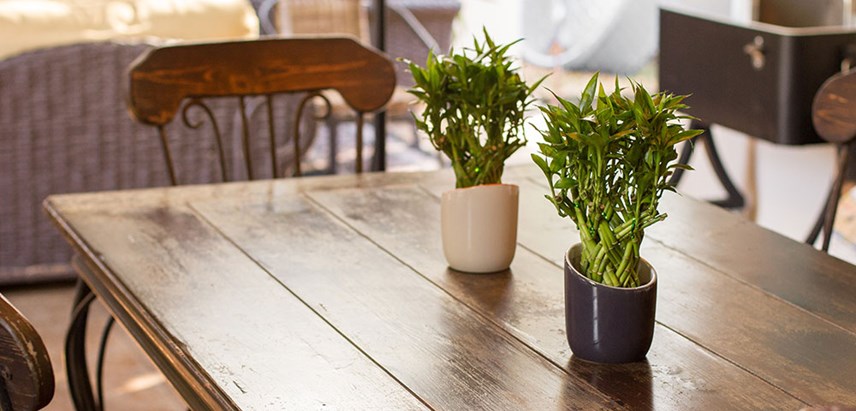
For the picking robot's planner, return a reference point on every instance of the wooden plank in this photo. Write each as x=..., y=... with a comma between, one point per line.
x=815, y=281
x=528, y=302
x=793, y=271
x=795, y=350
x=441, y=350
x=180, y=195
x=209, y=296
x=765, y=354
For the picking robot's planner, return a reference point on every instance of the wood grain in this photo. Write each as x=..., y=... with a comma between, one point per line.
x=162, y=77
x=463, y=341
x=792, y=271
x=789, y=347
x=787, y=269
x=26, y=376
x=209, y=297
x=528, y=301
x=448, y=355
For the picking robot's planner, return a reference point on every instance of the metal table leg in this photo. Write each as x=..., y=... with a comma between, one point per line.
x=75, y=350
x=735, y=197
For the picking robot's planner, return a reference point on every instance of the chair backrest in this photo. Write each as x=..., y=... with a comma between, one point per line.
x=26, y=377
x=164, y=78
x=833, y=111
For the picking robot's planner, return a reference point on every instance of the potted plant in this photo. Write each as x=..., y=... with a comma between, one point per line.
x=474, y=110
x=607, y=161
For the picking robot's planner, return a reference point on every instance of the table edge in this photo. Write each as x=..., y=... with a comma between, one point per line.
x=196, y=386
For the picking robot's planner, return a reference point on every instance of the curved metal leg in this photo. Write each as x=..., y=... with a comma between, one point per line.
x=830, y=209
x=75, y=350
x=735, y=198
x=77, y=370
x=686, y=153
x=818, y=224
x=102, y=348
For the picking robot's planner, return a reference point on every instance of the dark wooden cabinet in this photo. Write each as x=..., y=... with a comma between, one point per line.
x=756, y=78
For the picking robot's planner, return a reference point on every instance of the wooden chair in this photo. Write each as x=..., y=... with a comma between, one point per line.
x=166, y=83
x=834, y=119
x=26, y=377
x=165, y=78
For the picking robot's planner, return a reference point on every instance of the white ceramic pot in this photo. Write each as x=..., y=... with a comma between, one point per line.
x=479, y=227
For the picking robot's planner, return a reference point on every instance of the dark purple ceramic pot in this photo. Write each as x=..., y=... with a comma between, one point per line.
x=608, y=324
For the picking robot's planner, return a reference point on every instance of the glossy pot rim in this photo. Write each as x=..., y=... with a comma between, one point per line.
x=651, y=282
x=484, y=186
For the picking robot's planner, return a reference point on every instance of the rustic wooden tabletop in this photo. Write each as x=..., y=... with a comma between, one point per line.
x=333, y=292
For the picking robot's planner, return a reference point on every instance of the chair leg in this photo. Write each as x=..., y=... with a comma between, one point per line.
x=826, y=220
x=818, y=223
x=835, y=194
x=379, y=156
x=80, y=386
x=333, y=130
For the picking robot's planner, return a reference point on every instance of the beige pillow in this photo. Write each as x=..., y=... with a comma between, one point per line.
x=31, y=24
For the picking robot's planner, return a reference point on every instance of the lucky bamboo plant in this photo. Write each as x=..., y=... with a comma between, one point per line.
x=607, y=161
x=475, y=103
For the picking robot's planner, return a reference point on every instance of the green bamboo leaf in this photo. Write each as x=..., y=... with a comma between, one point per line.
x=684, y=136
x=542, y=164
x=589, y=92
x=565, y=183
x=608, y=169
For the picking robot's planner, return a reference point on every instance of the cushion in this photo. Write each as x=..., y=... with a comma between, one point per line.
x=31, y=24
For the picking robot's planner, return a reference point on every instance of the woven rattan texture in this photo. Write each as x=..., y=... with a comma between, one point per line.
x=64, y=128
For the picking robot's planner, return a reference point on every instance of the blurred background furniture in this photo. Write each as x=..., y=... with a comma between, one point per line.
x=754, y=77
x=834, y=119
x=26, y=380
x=413, y=27
x=63, y=124
x=615, y=36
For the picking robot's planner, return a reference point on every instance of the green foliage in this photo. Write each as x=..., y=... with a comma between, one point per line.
x=474, y=109
x=608, y=161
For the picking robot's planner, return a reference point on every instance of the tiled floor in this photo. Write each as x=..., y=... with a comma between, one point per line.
x=791, y=181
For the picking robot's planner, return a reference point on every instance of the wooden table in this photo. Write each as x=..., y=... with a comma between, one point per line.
x=332, y=292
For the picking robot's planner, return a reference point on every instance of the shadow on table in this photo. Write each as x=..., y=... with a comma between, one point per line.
x=629, y=384
x=491, y=291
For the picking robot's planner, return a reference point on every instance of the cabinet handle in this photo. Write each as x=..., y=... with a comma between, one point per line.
x=755, y=50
